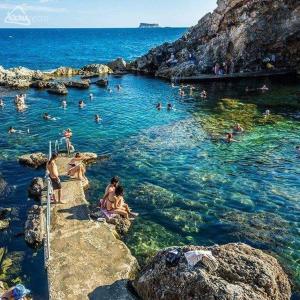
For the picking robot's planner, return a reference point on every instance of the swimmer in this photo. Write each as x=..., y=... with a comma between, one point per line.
x=64, y=104
x=192, y=88
x=298, y=149
x=118, y=87
x=91, y=96
x=47, y=117
x=159, y=106
x=203, y=94
x=238, y=128
x=109, y=90
x=81, y=104
x=181, y=92
x=169, y=106
x=97, y=118
x=11, y=130
x=229, y=138
x=264, y=88
x=173, y=85
x=267, y=113
x=1, y=103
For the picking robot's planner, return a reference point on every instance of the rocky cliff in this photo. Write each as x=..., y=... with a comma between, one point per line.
x=244, y=35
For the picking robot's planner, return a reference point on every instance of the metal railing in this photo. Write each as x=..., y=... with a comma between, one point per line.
x=48, y=211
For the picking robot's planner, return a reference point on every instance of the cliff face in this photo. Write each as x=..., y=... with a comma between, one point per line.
x=244, y=34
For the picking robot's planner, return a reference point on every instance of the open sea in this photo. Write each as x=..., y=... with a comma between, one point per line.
x=188, y=186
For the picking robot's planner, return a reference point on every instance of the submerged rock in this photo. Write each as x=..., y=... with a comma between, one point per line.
x=34, y=226
x=245, y=35
x=5, y=189
x=58, y=89
x=40, y=84
x=34, y=160
x=36, y=188
x=237, y=271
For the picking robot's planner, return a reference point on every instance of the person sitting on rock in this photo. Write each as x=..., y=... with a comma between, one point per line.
x=18, y=292
x=76, y=168
x=108, y=198
x=120, y=207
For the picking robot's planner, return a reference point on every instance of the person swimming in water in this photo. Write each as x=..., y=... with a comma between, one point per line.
x=229, y=138
x=159, y=106
x=118, y=86
x=238, y=128
x=1, y=103
x=169, y=106
x=203, y=94
x=97, y=118
x=91, y=96
x=109, y=90
x=181, y=92
x=267, y=113
x=47, y=117
x=264, y=88
x=64, y=104
x=81, y=104
x=11, y=130
x=192, y=88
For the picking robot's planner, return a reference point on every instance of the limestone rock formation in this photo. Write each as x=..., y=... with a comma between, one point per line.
x=96, y=69
x=5, y=189
x=239, y=272
x=34, y=160
x=118, y=65
x=102, y=82
x=4, y=221
x=58, y=88
x=40, y=84
x=34, y=226
x=84, y=84
x=65, y=72
x=36, y=188
x=246, y=35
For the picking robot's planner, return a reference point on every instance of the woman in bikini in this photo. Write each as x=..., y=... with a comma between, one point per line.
x=120, y=207
x=76, y=167
x=109, y=194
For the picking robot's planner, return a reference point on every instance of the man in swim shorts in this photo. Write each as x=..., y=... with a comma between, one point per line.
x=53, y=174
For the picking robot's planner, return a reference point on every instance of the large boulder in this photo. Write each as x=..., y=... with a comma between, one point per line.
x=34, y=226
x=84, y=84
x=4, y=221
x=232, y=271
x=33, y=160
x=58, y=88
x=96, y=69
x=245, y=35
x=40, y=84
x=102, y=82
x=36, y=188
x=118, y=65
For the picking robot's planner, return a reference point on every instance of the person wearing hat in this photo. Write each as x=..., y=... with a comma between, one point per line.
x=18, y=292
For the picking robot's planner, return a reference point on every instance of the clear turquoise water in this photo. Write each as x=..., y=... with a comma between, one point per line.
x=187, y=187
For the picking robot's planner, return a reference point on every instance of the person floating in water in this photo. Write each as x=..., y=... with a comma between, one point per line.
x=47, y=117
x=109, y=90
x=1, y=103
x=229, y=138
x=238, y=128
x=267, y=113
x=169, y=106
x=118, y=86
x=81, y=104
x=181, y=92
x=97, y=118
x=11, y=130
x=159, y=106
x=91, y=96
x=64, y=104
x=203, y=94
x=264, y=88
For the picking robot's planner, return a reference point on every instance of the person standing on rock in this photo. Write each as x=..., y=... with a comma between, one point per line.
x=53, y=174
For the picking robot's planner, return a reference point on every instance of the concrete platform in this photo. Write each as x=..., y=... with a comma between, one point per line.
x=87, y=259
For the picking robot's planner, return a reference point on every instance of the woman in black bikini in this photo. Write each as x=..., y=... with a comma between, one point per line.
x=76, y=168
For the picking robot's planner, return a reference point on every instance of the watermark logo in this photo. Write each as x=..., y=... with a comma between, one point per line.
x=18, y=16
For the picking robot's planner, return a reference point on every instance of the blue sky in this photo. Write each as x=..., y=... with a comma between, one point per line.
x=101, y=13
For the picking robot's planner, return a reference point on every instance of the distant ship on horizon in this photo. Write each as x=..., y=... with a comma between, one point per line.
x=149, y=25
